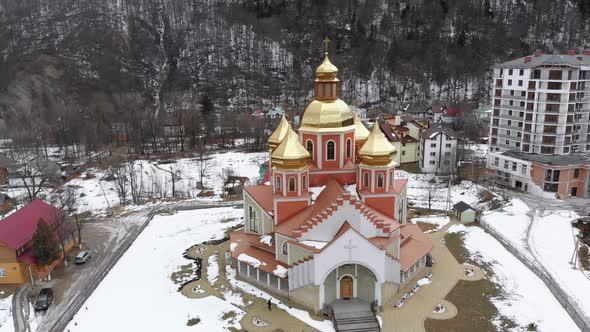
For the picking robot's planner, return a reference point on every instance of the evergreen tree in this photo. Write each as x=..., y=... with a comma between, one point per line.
x=45, y=247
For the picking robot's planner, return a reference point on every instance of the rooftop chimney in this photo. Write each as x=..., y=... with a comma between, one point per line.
x=586, y=52
x=538, y=52
x=571, y=52
x=527, y=59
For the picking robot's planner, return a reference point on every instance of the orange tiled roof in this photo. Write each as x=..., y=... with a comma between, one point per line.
x=249, y=244
x=263, y=195
x=415, y=244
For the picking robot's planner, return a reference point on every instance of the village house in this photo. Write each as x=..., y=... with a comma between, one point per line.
x=17, y=264
x=438, y=150
x=331, y=224
x=275, y=113
x=406, y=146
x=7, y=167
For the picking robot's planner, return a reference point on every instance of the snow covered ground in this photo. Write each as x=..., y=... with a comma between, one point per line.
x=6, y=323
x=98, y=194
x=440, y=220
x=544, y=234
x=420, y=185
x=526, y=298
x=138, y=293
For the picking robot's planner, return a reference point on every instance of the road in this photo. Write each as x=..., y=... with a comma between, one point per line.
x=108, y=239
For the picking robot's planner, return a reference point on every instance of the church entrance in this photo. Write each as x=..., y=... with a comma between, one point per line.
x=346, y=290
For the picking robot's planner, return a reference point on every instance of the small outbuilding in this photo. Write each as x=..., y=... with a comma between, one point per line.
x=464, y=212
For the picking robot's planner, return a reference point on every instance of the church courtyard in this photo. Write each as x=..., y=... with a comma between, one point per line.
x=166, y=290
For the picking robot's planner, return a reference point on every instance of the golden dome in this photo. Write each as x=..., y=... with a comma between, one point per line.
x=322, y=115
x=290, y=154
x=326, y=70
x=377, y=151
x=360, y=131
x=279, y=134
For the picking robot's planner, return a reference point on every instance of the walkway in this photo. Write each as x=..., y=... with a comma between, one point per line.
x=446, y=272
x=354, y=315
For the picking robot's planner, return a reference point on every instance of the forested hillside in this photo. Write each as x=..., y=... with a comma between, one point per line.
x=71, y=70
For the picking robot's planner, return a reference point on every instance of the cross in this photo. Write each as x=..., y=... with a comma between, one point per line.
x=349, y=246
x=327, y=42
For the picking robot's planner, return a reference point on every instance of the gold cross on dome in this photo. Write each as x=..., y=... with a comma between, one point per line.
x=327, y=42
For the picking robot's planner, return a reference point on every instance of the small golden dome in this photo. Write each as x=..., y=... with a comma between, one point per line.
x=326, y=114
x=360, y=131
x=377, y=151
x=326, y=70
x=279, y=134
x=290, y=154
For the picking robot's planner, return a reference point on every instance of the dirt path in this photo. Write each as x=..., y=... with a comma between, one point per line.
x=446, y=272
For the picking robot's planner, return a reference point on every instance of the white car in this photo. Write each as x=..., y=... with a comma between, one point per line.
x=82, y=257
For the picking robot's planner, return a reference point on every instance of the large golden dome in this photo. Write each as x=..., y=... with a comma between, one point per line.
x=327, y=114
x=377, y=151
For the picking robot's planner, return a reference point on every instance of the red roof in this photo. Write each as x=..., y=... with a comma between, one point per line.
x=263, y=195
x=18, y=228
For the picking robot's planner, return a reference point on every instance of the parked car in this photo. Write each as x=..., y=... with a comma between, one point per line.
x=44, y=299
x=82, y=257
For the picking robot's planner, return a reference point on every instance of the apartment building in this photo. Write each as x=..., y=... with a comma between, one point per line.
x=540, y=121
x=438, y=150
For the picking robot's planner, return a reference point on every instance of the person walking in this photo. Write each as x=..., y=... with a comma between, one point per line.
x=269, y=302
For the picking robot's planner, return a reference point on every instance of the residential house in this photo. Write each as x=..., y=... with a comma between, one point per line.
x=417, y=110
x=438, y=150
x=7, y=166
x=275, y=113
x=234, y=185
x=406, y=147
x=17, y=264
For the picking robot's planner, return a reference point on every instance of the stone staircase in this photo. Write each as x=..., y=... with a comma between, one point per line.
x=357, y=322
x=354, y=316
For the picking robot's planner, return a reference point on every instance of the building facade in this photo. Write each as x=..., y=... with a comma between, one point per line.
x=541, y=109
x=331, y=224
x=438, y=150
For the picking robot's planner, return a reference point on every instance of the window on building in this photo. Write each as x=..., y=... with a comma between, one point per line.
x=448, y=145
x=433, y=145
x=510, y=113
x=518, y=144
x=380, y=180
x=2, y=272
x=304, y=182
x=447, y=153
x=403, y=153
x=331, y=150
x=310, y=147
x=252, y=218
x=291, y=184
x=576, y=173
x=509, y=82
x=278, y=183
x=505, y=164
x=512, y=92
x=432, y=162
x=285, y=248
x=348, y=148
x=519, y=82
x=507, y=142
x=509, y=123
x=509, y=71
x=536, y=74
x=521, y=72
x=366, y=179
x=524, y=169
x=496, y=161
x=508, y=132
x=514, y=166
x=433, y=154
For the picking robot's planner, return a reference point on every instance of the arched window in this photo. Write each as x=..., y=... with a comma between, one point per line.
x=304, y=180
x=310, y=148
x=348, y=148
x=291, y=184
x=285, y=248
x=331, y=150
x=380, y=180
x=278, y=183
x=366, y=179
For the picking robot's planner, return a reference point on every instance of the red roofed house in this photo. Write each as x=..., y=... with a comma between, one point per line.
x=331, y=224
x=17, y=264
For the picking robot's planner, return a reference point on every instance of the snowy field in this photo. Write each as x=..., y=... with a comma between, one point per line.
x=100, y=194
x=420, y=185
x=547, y=237
x=439, y=220
x=527, y=299
x=6, y=323
x=138, y=293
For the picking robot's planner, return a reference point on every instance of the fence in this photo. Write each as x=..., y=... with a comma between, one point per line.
x=569, y=304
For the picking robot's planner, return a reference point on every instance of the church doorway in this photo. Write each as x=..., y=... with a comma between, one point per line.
x=346, y=287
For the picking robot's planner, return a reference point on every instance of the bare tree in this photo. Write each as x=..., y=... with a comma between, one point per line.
x=35, y=173
x=225, y=175
x=135, y=182
x=119, y=176
x=202, y=164
x=69, y=202
x=431, y=192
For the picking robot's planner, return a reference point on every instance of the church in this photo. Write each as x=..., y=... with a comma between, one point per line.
x=330, y=224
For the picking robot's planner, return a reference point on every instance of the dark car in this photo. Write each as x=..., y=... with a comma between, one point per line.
x=44, y=299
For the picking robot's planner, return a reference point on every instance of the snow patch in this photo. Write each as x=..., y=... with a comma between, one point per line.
x=250, y=260
x=315, y=244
